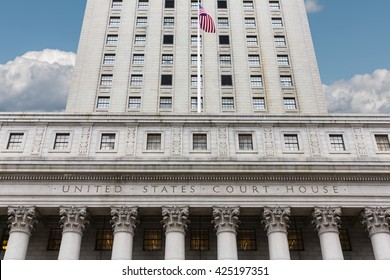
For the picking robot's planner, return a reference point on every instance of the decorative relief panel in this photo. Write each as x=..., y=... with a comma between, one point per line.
x=359, y=141
x=131, y=137
x=84, y=141
x=315, y=146
x=176, y=141
x=269, y=141
x=38, y=140
x=223, y=147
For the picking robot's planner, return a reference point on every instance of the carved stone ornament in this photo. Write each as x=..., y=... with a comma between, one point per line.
x=22, y=219
x=376, y=220
x=226, y=218
x=73, y=219
x=327, y=219
x=124, y=219
x=276, y=219
x=175, y=218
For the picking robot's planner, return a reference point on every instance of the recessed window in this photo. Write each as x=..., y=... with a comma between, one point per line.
x=337, y=142
x=170, y=4
x=194, y=80
x=283, y=60
x=143, y=4
x=250, y=22
x=274, y=5
x=169, y=21
x=291, y=142
x=106, y=80
x=382, y=142
x=55, y=238
x=136, y=80
x=225, y=59
x=104, y=240
x=109, y=59
x=194, y=103
x=61, y=142
x=194, y=59
x=116, y=4
x=107, y=141
x=142, y=21
x=112, y=39
x=4, y=239
x=280, y=40
x=15, y=141
x=223, y=22
x=153, y=141
x=227, y=103
x=224, y=40
x=290, y=103
x=222, y=4
x=134, y=103
x=254, y=60
x=194, y=40
x=199, y=240
x=138, y=59
x=277, y=22
x=246, y=239
x=295, y=240
x=286, y=81
x=245, y=142
x=166, y=80
x=168, y=39
x=199, y=141
x=256, y=81
x=194, y=22
x=140, y=39
x=152, y=240
x=247, y=5
x=165, y=102
x=251, y=40
x=194, y=4
x=226, y=80
x=258, y=103
x=167, y=59
x=114, y=21
x=345, y=240
x=103, y=102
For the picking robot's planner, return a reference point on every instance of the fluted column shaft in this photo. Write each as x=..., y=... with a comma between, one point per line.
x=21, y=221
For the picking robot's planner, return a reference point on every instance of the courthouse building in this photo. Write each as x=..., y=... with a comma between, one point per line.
x=131, y=170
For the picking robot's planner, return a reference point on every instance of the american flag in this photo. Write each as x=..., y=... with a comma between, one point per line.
x=205, y=21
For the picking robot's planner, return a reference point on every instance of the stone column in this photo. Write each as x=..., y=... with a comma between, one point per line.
x=21, y=222
x=327, y=223
x=226, y=224
x=276, y=222
x=73, y=221
x=124, y=220
x=175, y=220
x=377, y=221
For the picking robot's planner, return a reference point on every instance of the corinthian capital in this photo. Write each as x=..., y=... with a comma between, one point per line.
x=175, y=218
x=276, y=219
x=22, y=219
x=376, y=220
x=73, y=219
x=327, y=219
x=226, y=218
x=124, y=219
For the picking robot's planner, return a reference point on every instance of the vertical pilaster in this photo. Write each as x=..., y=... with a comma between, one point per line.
x=276, y=222
x=73, y=221
x=124, y=220
x=377, y=220
x=225, y=224
x=327, y=223
x=175, y=220
x=22, y=221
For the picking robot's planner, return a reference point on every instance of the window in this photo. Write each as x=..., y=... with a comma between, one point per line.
x=152, y=240
x=194, y=4
x=274, y=5
x=168, y=39
x=289, y=103
x=277, y=22
x=291, y=142
x=199, y=240
x=165, y=102
x=226, y=80
x=153, y=141
x=170, y=4
x=61, y=142
x=194, y=59
x=225, y=59
x=55, y=238
x=194, y=80
x=227, y=103
x=116, y=4
x=109, y=59
x=106, y=80
x=194, y=40
x=169, y=21
x=167, y=59
x=246, y=239
x=245, y=142
x=4, y=239
x=166, y=80
x=107, y=141
x=104, y=240
x=295, y=240
x=142, y=21
x=286, y=81
x=344, y=240
x=143, y=4
x=136, y=80
x=224, y=39
x=114, y=21
x=250, y=22
x=223, y=22
x=251, y=40
x=248, y=5
x=258, y=103
x=194, y=22
x=283, y=60
x=15, y=141
x=222, y=4
x=337, y=142
x=256, y=81
x=280, y=40
x=254, y=60
x=112, y=39
x=140, y=39
x=382, y=142
x=138, y=59
x=199, y=142
x=134, y=102
x=194, y=103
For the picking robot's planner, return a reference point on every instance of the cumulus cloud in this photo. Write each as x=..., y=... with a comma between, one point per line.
x=363, y=94
x=312, y=6
x=36, y=81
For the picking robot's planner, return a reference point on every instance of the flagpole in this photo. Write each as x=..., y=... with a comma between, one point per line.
x=199, y=103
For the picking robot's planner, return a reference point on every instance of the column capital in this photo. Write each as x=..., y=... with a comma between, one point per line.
x=73, y=219
x=124, y=219
x=276, y=219
x=376, y=220
x=22, y=219
x=226, y=219
x=175, y=218
x=327, y=219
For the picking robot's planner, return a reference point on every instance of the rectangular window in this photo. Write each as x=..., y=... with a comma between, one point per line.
x=168, y=39
x=222, y=4
x=194, y=22
x=55, y=238
x=165, y=102
x=225, y=59
x=280, y=40
x=250, y=22
x=4, y=239
x=142, y=21
x=116, y=4
x=194, y=81
x=224, y=39
x=107, y=141
x=143, y=4
x=136, y=80
x=134, y=103
x=382, y=142
x=61, y=142
x=152, y=240
x=138, y=59
x=170, y=4
x=337, y=142
x=194, y=4
x=194, y=40
x=226, y=80
x=167, y=59
x=254, y=60
x=345, y=240
x=246, y=239
x=109, y=59
x=251, y=40
x=291, y=142
x=227, y=103
x=194, y=59
x=103, y=102
x=199, y=142
x=289, y=103
x=112, y=39
x=104, y=240
x=274, y=5
x=283, y=60
x=256, y=81
x=258, y=103
x=140, y=39
x=114, y=21
x=277, y=22
x=286, y=81
x=223, y=22
x=245, y=142
x=106, y=80
x=295, y=240
x=194, y=103
x=169, y=21
x=15, y=141
x=199, y=240
x=166, y=80
x=153, y=142
x=248, y=5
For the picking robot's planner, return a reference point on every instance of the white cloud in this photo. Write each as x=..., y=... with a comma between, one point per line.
x=363, y=94
x=312, y=6
x=36, y=81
